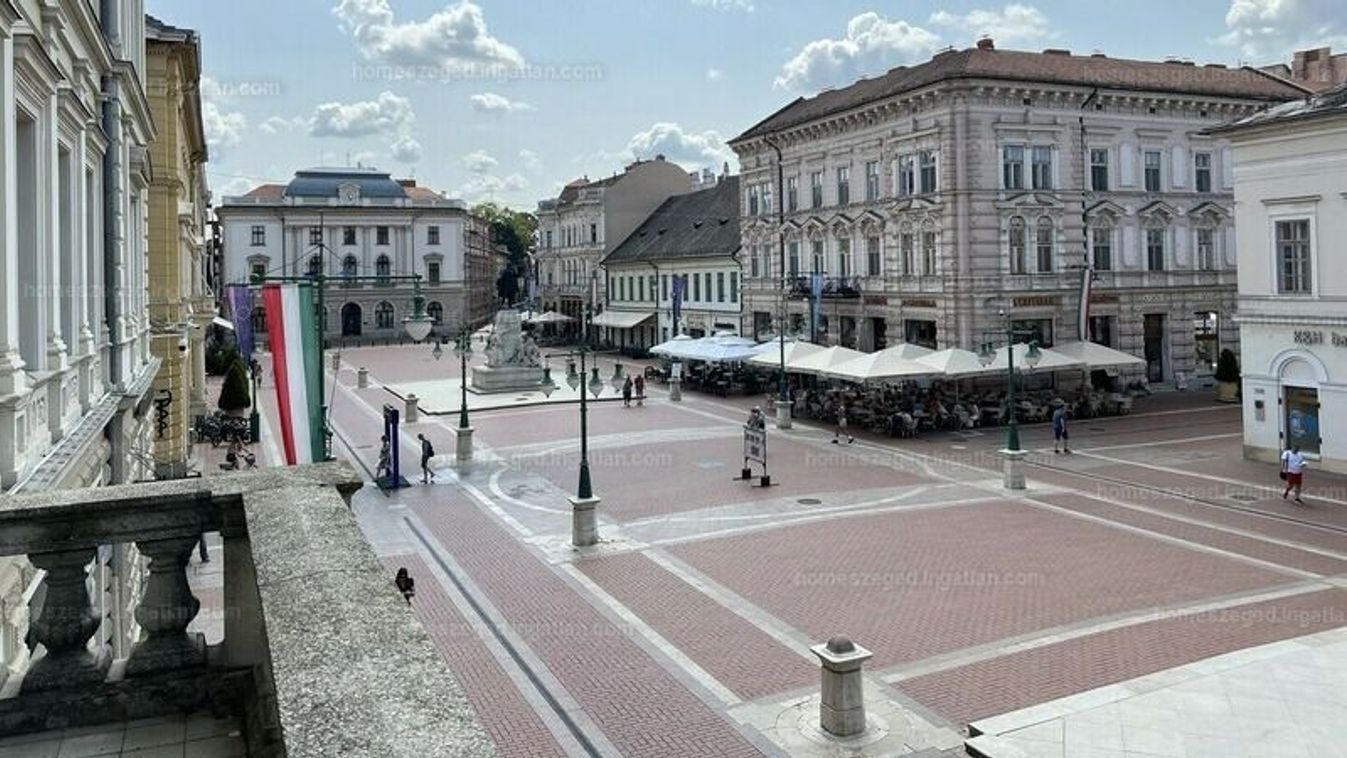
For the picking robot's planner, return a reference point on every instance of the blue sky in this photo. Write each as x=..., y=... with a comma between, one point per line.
x=510, y=99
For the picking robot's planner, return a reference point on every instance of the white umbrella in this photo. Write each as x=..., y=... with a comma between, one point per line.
x=674, y=348
x=769, y=353
x=714, y=351
x=551, y=317
x=897, y=362
x=1048, y=360
x=955, y=362
x=820, y=361
x=1094, y=355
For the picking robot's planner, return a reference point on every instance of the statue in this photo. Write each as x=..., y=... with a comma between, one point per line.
x=513, y=361
x=529, y=353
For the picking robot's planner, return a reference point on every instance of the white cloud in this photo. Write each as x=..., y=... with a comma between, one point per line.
x=479, y=162
x=233, y=187
x=488, y=186
x=872, y=45
x=726, y=5
x=714, y=74
x=1276, y=28
x=1013, y=23
x=532, y=163
x=387, y=113
x=454, y=37
x=490, y=102
x=279, y=125
x=406, y=149
x=224, y=130
x=688, y=149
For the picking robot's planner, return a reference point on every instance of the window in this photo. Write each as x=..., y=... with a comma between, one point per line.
x=1206, y=340
x=843, y=185
x=926, y=160
x=348, y=235
x=720, y=286
x=1042, y=167
x=664, y=286
x=432, y=235
x=817, y=249
x=1099, y=170
x=315, y=235
x=259, y=318
x=349, y=266
x=549, y=239
x=1012, y=167
x=1202, y=167
x=872, y=181
x=1206, y=248
x=1101, y=244
x=381, y=235
x=793, y=253
x=907, y=175
x=1043, y=245
x=905, y=245
x=640, y=282
x=622, y=288
x=929, y=248
x=816, y=189
x=754, y=200
x=259, y=235
x=753, y=256
x=734, y=286
x=593, y=234
x=383, y=315
x=1152, y=170
x=792, y=193
x=259, y=271
x=1101, y=330
x=433, y=271
x=436, y=312
x=1293, y=257
x=844, y=257
x=383, y=267
x=315, y=265
x=1155, y=249
x=1017, y=242
x=696, y=287
x=872, y=255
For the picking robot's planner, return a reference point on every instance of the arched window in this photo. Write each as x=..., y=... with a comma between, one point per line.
x=383, y=267
x=259, y=319
x=436, y=312
x=315, y=265
x=1017, y=242
x=383, y=315
x=1043, y=245
x=349, y=265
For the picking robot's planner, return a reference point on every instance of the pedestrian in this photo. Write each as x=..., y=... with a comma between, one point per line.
x=842, y=425
x=1059, y=433
x=626, y=393
x=205, y=556
x=427, y=452
x=383, y=469
x=640, y=389
x=1293, y=471
x=755, y=418
x=405, y=584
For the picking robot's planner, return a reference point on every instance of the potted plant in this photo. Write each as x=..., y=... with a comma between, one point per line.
x=1227, y=377
x=234, y=395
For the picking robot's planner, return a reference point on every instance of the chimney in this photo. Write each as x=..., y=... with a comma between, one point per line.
x=659, y=156
x=986, y=43
x=407, y=182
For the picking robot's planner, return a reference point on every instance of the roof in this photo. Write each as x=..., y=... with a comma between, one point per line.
x=1330, y=103
x=268, y=191
x=422, y=193
x=158, y=31
x=325, y=182
x=1058, y=67
x=698, y=224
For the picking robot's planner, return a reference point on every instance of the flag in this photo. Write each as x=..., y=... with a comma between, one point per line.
x=241, y=314
x=1083, y=314
x=297, y=359
x=677, y=300
x=816, y=301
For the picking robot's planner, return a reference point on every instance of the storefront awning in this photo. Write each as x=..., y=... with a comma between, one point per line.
x=621, y=319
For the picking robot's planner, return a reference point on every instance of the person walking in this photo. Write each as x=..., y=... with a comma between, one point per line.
x=626, y=392
x=427, y=452
x=1059, y=434
x=405, y=584
x=383, y=469
x=842, y=425
x=1293, y=471
x=640, y=389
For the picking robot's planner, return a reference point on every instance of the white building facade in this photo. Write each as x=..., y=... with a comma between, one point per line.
x=358, y=224
x=1291, y=213
x=75, y=362
x=935, y=196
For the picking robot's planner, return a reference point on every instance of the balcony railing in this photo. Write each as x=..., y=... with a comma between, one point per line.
x=320, y=654
x=833, y=287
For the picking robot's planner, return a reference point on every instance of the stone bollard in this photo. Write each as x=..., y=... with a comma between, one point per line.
x=584, y=521
x=842, y=708
x=409, y=414
x=336, y=361
x=783, y=414
x=1014, y=468
x=676, y=390
x=362, y=378
x=463, y=449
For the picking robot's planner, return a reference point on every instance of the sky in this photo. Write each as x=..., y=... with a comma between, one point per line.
x=508, y=100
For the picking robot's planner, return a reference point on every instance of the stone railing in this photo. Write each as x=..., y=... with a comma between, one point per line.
x=320, y=655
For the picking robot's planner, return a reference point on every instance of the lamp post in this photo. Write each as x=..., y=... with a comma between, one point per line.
x=584, y=518
x=463, y=349
x=783, y=410
x=1014, y=454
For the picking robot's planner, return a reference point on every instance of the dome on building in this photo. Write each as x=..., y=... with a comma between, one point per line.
x=344, y=183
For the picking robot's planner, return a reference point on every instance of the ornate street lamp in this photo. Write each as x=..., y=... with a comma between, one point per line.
x=418, y=325
x=463, y=349
x=584, y=524
x=1014, y=473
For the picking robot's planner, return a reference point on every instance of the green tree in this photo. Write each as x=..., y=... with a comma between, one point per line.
x=512, y=228
x=234, y=395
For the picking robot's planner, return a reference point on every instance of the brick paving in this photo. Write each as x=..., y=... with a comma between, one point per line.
x=1019, y=680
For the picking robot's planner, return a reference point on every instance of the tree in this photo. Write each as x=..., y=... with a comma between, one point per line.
x=234, y=395
x=1227, y=367
x=514, y=229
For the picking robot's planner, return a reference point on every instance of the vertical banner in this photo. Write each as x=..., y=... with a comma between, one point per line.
x=677, y=301
x=1083, y=314
x=815, y=302
x=240, y=299
x=297, y=360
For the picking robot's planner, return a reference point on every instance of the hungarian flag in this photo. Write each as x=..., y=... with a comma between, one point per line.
x=298, y=359
x=1083, y=313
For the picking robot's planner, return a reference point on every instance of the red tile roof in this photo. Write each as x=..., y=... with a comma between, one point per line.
x=268, y=191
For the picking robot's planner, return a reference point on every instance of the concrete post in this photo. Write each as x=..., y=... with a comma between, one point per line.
x=1014, y=468
x=336, y=362
x=676, y=390
x=463, y=452
x=842, y=707
x=362, y=378
x=409, y=414
x=783, y=415
x=584, y=521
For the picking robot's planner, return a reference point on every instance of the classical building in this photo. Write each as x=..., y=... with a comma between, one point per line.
x=181, y=305
x=75, y=360
x=933, y=197
x=357, y=222
x=586, y=222
x=693, y=238
x=1291, y=214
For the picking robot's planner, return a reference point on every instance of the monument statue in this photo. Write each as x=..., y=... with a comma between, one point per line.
x=512, y=358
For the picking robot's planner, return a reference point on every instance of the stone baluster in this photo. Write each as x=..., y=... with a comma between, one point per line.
x=65, y=623
x=165, y=610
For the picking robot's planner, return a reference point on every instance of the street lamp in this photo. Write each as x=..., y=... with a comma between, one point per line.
x=584, y=523
x=418, y=325
x=1014, y=471
x=463, y=349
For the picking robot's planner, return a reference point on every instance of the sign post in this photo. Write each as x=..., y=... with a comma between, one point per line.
x=393, y=479
x=755, y=449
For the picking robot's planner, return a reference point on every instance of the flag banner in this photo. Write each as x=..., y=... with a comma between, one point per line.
x=816, y=301
x=1083, y=314
x=677, y=300
x=241, y=315
x=297, y=360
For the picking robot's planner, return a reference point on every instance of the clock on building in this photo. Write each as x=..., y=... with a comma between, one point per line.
x=349, y=193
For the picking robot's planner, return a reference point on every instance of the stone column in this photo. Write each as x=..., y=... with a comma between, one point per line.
x=362, y=378
x=584, y=521
x=463, y=451
x=1014, y=468
x=842, y=706
x=12, y=378
x=783, y=414
x=409, y=413
x=65, y=624
x=165, y=610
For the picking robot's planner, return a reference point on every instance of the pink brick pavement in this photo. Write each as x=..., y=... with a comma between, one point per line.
x=1022, y=679
x=913, y=585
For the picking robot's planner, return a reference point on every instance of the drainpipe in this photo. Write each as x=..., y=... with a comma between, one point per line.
x=113, y=218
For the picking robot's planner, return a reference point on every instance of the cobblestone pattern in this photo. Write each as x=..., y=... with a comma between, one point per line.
x=1017, y=681
x=913, y=585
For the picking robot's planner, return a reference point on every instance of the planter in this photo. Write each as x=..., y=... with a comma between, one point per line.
x=1227, y=392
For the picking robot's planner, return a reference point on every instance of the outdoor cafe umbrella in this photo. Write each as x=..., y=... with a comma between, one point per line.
x=1048, y=360
x=1094, y=355
x=897, y=362
x=820, y=361
x=678, y=347
x=769, y=353
x=722, y=347
x=551, y=317
x=954, y=362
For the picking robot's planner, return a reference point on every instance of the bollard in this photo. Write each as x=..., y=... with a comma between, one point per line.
x=842, y=707
x=463, y=449
x=783, y=414
x=336, y=361
x=584, y=521
x=1014, y=468
x=409, y=414
x=676, y=390
x=362, y=378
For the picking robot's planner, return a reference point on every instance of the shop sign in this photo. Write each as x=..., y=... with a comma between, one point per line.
x=1316, y=337
x=1040, y=301
x=919, y=304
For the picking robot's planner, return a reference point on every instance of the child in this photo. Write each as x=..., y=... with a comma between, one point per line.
x=842, y=425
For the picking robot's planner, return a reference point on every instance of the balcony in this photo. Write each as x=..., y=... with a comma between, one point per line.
x=834, y=287
x=320, y=656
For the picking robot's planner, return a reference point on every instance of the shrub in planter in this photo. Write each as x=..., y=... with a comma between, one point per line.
x=1227, y=377
x=234, y=395
x=219, y=358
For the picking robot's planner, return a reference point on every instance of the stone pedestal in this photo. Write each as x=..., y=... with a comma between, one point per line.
x=584, y=521
x=362, y=378
x=463, y=451
x=409, y=412
x=1014, y=468
x=506, y=378
x=783, y=417
x=676, y=390
x=65, y=624
x=842, y=708
x=165, y=611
